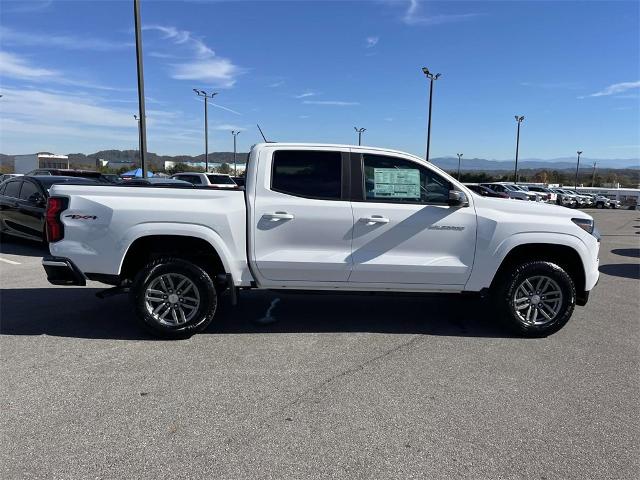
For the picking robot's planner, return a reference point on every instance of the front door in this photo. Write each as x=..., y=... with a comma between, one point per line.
x=301, y=217
x=404, y=230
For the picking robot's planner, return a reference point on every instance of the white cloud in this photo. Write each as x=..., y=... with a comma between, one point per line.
x=413, y=16
x=372, y=41
x=68, y=42
x=204, y=64
x=229, y=127
x=276, y=84
x=336, y=103
x=15, y=67
x=615, y=89
x=218, y=71
x=306, y=94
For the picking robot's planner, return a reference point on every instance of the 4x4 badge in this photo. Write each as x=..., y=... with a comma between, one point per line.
x=81, y=217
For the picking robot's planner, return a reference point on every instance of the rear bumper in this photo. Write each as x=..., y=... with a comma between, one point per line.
x=62, y=271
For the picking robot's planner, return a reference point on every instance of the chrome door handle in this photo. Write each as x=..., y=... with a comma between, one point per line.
x=375, y=219
x=279, y=216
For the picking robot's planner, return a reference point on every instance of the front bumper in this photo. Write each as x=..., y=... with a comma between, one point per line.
x=62, y=271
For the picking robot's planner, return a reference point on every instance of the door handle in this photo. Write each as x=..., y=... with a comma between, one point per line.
x=279, y=216
x=375, y=219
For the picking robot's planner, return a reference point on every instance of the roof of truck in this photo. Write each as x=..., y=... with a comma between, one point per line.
x=331, y=145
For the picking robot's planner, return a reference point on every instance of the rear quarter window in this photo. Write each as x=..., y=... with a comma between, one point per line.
x=307, y=173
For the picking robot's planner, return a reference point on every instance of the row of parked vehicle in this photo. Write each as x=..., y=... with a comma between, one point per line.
x=560, y=196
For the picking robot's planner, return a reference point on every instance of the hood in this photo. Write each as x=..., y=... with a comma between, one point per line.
x=528, y=208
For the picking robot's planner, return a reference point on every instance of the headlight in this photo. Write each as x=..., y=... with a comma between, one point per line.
x=584, y=223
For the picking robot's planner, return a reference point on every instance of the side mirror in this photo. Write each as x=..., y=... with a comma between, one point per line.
x=37, y=198
x=457, y=199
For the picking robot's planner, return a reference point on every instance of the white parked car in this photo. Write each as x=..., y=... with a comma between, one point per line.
x=548, y=195
x=508, y=189
x=218, y=180
x=325, y=218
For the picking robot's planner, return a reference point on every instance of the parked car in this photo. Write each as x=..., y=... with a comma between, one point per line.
x=535, y=197
x=507, y=190
x=112, y=177
x=218, y=180
x=157, y=182
x=600, y=201
x=23, y=201
x=100, y=177
x=547, y=194
x=322, y=217
x=7, y=176
x=484, y=191
x=567, y=198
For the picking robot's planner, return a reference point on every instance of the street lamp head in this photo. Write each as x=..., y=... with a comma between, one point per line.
x=579, y=152
x=519, y=118
x=438, y=75
x=425, y=70
x=135, y=116
x=195, y=90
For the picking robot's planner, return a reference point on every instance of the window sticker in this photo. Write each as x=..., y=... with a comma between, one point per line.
x=396, y=183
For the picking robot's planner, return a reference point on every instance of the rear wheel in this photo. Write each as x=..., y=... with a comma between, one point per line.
x=174, y=298
x=536, y=298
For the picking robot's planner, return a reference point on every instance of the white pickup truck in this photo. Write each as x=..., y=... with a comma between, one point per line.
x=321, y=217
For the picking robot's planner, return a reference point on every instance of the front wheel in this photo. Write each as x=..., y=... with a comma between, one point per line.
x=536, y=298
x=174, y=298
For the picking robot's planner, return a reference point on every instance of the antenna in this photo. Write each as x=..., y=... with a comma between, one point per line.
x=263, y=137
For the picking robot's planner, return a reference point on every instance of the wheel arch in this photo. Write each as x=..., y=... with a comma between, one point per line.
x=145, y=248
x=565, y=256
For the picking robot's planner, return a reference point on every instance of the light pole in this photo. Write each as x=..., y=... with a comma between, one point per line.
x=459, y=160
x=577, y=167
x=141, y=110
x=519, y=119
x=360, y=131
x=235, y=134
x=593, y=175
x=206, y=96
x=431, y=77
x=139, y=135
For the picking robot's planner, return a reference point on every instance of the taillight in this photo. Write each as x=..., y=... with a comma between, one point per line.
x=55, y=228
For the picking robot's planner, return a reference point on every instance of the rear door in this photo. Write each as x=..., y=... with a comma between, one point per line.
x=30, y=214
x=9, y=205
x=404, y=230
x=301, y=217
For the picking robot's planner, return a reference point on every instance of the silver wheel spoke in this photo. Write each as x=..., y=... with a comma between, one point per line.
x=165, y=305
x=537, y=300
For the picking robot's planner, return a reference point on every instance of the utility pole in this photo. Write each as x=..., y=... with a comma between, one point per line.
x=519, y=119
x=431, y=77
x=141, y=110
x=235, y=134
x=139, y=135
x=577, y=167
x=459, y=160
x=593, y=175
x=359, y=131
x=206, y=96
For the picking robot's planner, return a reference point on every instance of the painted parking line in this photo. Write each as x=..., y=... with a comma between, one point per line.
x=10, y=262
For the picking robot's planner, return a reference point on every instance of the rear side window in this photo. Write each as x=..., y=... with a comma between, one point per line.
x=190, y=178
x=13, y=189
x=220, y=179
x=28, y=189
x=307, y=173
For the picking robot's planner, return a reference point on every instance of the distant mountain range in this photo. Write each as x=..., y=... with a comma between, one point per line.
x=446, y=163
x=480, y=164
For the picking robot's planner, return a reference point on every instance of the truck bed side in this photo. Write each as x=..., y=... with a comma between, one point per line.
x=102, y=222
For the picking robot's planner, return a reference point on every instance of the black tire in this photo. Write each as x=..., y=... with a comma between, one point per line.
x=506, y=290
x=599, y=205
x=201, y=281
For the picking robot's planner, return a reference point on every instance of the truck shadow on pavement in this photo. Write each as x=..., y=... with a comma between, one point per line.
x=627, y=252
x=25, y=248
x=77, y=313
x=624, y=270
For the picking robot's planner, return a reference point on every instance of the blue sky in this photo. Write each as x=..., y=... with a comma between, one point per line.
x=311, y=71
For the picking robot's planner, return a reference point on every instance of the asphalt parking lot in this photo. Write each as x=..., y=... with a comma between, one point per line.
x=337, y=387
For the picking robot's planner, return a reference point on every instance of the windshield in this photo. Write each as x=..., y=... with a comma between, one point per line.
x=221, y=179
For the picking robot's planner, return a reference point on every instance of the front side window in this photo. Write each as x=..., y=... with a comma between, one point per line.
x=307, y=173
x=396, y=180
